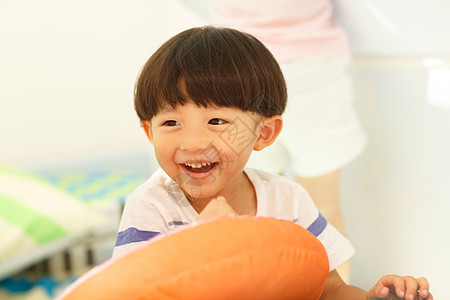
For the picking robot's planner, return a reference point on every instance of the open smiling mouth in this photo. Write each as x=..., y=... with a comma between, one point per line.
x=199, y=167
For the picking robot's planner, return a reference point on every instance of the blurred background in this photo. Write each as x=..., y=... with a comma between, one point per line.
x=67, y=72
x=394, y=195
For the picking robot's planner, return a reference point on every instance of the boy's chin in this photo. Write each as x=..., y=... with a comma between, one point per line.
x=196, y=193
x=195, y=188
x=193, y=193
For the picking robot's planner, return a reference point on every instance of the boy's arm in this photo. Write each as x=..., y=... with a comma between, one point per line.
x=389, y=287
x=335, y=288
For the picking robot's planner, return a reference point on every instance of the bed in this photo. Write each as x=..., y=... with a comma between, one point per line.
x=56, y=226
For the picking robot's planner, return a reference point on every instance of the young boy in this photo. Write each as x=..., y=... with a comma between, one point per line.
x=206, y=99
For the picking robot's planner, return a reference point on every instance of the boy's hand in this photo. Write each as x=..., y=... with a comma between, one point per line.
x=392, y=287
x=217, y=207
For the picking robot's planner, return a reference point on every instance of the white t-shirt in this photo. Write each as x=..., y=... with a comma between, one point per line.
x=159, y=205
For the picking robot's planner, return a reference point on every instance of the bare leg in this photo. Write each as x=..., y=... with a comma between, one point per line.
x=324, y=190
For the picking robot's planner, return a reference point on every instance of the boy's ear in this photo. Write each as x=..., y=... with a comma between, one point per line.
x=147, y=126
x=269, y=131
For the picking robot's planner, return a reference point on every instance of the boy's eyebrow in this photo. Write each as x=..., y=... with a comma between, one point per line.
x=167, y=109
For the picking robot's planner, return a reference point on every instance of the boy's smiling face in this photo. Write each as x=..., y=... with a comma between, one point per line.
x=204, y=149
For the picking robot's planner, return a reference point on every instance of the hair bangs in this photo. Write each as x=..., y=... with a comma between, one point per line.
x=211, y=67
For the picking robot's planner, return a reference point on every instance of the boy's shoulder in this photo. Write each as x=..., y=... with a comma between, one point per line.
x=271, y=180
x=157, y=179
x=157, y=185
x=264, y=174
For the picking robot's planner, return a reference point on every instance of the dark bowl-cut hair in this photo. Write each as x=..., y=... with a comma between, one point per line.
x=211, y=66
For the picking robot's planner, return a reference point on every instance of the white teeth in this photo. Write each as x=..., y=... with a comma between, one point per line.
x=197, y=165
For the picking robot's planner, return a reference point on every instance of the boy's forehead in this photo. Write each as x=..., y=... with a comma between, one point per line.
x=167, y=108
x=212, y=111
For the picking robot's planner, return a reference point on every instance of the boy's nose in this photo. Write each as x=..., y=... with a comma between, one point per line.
x=195, y=140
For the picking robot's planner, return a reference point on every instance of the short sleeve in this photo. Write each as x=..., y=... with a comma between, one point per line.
x=141, y=220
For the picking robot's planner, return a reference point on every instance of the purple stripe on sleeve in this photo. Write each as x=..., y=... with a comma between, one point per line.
x=318, y=225
x=133, y=235
x=177, y=223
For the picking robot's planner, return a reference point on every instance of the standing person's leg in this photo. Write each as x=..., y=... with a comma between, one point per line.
x=324, y=190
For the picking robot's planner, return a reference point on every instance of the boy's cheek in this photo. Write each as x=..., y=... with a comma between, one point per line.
x=238, y=138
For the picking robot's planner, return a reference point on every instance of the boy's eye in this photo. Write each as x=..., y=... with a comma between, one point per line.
x=217, y=121
x=171, y=123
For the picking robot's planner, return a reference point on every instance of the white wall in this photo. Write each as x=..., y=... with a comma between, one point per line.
x=396, y=196
x=67, y=72
x=400, y=27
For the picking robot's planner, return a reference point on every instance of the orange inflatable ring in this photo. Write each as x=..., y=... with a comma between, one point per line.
x=226, y=258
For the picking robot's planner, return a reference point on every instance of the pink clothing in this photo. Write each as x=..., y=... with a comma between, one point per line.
x=291, y=29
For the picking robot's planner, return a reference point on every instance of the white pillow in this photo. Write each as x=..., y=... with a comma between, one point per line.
x=38, y=218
